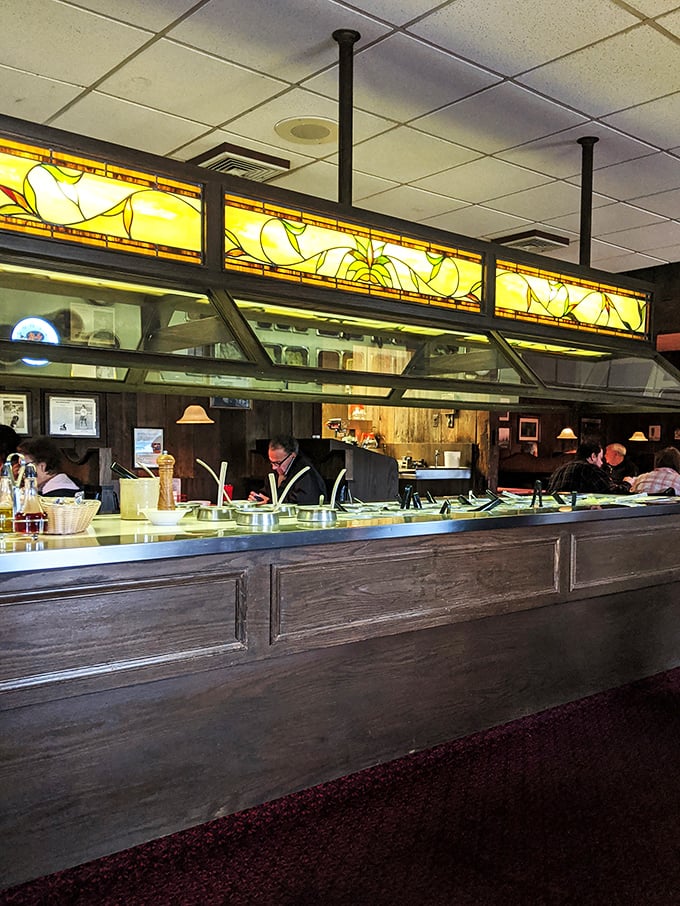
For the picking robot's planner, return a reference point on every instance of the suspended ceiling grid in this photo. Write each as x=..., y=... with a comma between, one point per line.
x=467, y=113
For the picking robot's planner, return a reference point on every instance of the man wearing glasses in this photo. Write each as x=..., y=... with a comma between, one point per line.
x=286, y=462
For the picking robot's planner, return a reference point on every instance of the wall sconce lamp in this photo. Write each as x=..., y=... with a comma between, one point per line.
x=195, y=415
x=638, y=436
x=567, y=434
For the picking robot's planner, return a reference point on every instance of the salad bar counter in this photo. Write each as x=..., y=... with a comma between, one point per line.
x=157, y=676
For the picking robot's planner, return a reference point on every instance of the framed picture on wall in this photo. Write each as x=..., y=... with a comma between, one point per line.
x=229, y=402
x=148, y=443
x=14, y=411
x=72, y=416
x=504, y=437
x=529, y=428
x=654, y=432
x=590, y=426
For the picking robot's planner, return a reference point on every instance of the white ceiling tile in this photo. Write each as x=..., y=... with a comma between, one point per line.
x=622, y=71
x=397, y=12
x=607, y=218
x=58, y=41
x=561, y=156
x=544, y=202
x=259, y=124
x=320, y=179
x=656, y=121
x=665, y=203
x=478, y=221
x=483, y=179
x=624, y=262
x=512, y=37
x=409, y=203
x=169, y=77
x=648, y=238
x=498, y=118
x=32, y=97
x=288, y=40
x=132, y=125
x=401, y=78
x=637, y=178
x=671, y=22
x=653, y=8
x=668, y=252
x=405, y=155
x=153, y=16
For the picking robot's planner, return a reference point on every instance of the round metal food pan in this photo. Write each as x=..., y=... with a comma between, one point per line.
x=261, y=520
x=316, y=515
x=215, y=513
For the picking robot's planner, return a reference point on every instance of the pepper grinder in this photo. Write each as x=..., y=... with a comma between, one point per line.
x=166, y=499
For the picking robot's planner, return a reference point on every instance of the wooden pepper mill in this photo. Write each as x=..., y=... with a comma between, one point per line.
x=166, y=464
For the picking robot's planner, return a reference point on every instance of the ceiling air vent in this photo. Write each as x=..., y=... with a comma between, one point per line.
x=533, y=241
x=236, y=161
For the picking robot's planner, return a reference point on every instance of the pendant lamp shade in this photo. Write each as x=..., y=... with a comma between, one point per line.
x=567, y=434
x=638, y=436
x=195, y=415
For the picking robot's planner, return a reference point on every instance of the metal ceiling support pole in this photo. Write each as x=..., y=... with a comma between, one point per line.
x=346, y=38
x=586, y=144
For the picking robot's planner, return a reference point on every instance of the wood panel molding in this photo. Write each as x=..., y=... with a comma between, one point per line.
x=632, y=557
x=98, y=630
x=361, y=596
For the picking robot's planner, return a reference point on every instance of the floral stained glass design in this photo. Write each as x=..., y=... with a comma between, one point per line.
x=52, y=194
x=529, y=294
x=266, y=239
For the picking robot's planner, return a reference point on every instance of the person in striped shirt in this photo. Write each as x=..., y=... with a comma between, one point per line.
x=664, y=477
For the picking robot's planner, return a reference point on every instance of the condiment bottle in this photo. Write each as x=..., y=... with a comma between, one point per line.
x=166, y=499
x=31, y=519
x=6, y=499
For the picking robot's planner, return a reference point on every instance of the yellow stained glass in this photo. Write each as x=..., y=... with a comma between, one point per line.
x=529, y=294
x=62, y=196
x=290, y=244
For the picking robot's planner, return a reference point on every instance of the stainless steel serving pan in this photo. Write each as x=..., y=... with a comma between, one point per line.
x=215, y=513
x=316, y=515
x=262, y=519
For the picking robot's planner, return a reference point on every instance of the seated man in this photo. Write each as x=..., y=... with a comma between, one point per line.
x=585, y=474
x=617, y=464
x=287, y=462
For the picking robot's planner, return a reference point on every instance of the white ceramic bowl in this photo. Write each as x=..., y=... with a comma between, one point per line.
x=165, y=517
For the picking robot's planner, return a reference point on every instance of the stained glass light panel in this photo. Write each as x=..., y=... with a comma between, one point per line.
x=53, y=194
x=270, y=240
x=529, y=294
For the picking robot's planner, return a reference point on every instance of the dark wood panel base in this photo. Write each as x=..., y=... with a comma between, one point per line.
x=331, y=658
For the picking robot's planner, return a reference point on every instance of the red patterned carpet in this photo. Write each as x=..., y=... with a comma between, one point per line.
x=577, y=806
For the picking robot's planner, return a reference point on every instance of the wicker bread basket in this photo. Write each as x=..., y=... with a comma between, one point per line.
x=69, y=517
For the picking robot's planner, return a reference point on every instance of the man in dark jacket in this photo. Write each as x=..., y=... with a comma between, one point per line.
x=585, y=474
x=286, y=462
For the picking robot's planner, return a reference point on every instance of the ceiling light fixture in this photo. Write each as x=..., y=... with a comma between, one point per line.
x=195, y=415
x=307, y=130
x=533, y=241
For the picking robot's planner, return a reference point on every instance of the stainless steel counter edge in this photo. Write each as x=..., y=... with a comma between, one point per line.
x=158, y=543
